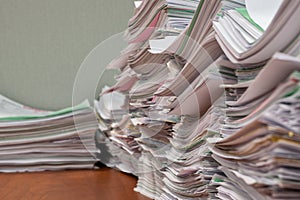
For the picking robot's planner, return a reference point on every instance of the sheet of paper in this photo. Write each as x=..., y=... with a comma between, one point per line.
x=160, y=45
x=137, y=3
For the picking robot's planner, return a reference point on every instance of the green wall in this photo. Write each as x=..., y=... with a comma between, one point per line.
x=44, y=42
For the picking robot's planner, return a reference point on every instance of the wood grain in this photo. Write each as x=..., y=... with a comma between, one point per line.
x=102, y=184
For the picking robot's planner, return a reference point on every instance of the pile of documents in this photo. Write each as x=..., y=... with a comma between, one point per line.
x=261, y=161
x=260, y=93
x=37, y=140
x=142, y=74
x=259, y=153
x=154, y=26
x=255, y=78
x=186, y=84
x=161, y=130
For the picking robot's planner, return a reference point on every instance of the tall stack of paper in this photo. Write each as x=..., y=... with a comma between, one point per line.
x=142, y=72
x=35, y=140
x=255, y=153
x=186, y=165
x=177, y=173
x=182, y=56
x=159, y=132
x=152, y=18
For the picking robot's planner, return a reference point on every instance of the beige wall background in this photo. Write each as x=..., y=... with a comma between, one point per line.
x=44, y=42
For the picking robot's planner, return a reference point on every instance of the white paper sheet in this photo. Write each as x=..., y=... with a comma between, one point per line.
x=137, y=3
x=159, y=46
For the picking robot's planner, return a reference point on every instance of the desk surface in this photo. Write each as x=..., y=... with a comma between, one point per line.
x=103, y=184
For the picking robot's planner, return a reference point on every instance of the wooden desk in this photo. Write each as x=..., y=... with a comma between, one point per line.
x=102, y=184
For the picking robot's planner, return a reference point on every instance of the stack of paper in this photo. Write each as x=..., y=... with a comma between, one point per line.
x=246, y=58
x=36, y=140
x=168, y=17
x=232, y=4
x=158, y=118
x=261, y=161
x=260, y=93
x=155, y=25
x=142, y=74
x=173, y=78
x=190, y=165
x=254, y=33
x=194, y=50
x=172, y=169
